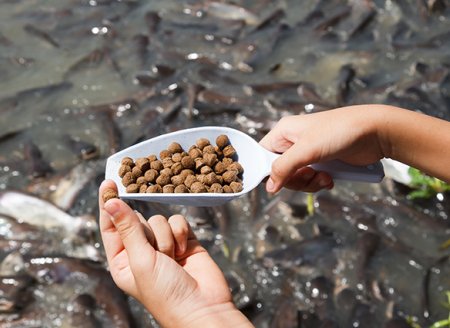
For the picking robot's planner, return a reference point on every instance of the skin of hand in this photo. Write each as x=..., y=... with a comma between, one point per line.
x=358, y=135
x=161, y=264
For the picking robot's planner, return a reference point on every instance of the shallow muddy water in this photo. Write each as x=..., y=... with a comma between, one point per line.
x=82, y=79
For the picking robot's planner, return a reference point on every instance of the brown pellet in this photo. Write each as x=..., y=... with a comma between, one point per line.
x=109, y=194
x=136, y=172
x=176, y=168
x=156, y=165
x=124, y=169
x=210, y=179
x=206, y=170
x=227, y=161
x=222, y=141
x=230, y=176
x=198, y=187
x=177, y=179
x=141, y=180
x=190, y=179
x=181, y=189
x=168, y=189
x=202, y=143
x=151, y=175
x=236, y=186
x=187, y=162
x=209, y=149
x=143, y=164
x=167, y=162
x=132, y=188
x=143, y=188
x=166, y=171
x=235, y=166
x=128, y=179
x=175, y=147
x=216, y=188
x=220, y=167
x=176, y=157
x=229, y=151
x=227, y=189
x=195, y=153
x=154, y=189
x=210, y=159
x=164, y=154
x=163, y=179
x=201, y=178
x=127, y=161
x=199, y=162
x=218, y=151
x=186, y=172
x=152, y=158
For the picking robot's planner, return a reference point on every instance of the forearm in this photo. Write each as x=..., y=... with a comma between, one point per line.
x=415, y=139
x=220, y=315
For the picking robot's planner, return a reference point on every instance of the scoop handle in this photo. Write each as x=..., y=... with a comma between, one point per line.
x=339, y=170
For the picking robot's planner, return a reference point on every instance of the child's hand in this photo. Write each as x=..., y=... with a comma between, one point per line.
x=161, y=264
x=348, y=134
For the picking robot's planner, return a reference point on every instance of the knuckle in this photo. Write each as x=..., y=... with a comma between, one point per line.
x=157, y=219
x=166, y=247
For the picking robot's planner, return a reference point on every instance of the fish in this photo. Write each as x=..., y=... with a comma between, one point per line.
x=82, y=149
x=41, y=34
x=42, y=214
x=15, y=293
x=38, y=166
x=231, y=12
x=61, y=270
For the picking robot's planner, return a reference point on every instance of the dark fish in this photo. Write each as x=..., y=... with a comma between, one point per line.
x=34, y=31
x=305, y=252
x=82, y=149
x=15, y=293
x=92, y=59
x=397, y=323
x=152, y=19
x=59, y=270
x=346, y=75
x=38, y=166
x=332, y=18
x=141, y=43
x=43, y=90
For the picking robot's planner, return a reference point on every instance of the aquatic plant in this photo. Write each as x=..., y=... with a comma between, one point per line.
x=425, y=186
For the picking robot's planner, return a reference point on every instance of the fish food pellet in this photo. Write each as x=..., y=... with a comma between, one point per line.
x=229, y=151
x=154, y=189
x=143, y=164
x=109, y=194
x=202, y=143
x=132, y=188
x=127, y=161
x=203, y=168
x=181, y=189
x=222, y=141
x=165, y=154
x=169, y=188
x=124, y=169
x=175, y=147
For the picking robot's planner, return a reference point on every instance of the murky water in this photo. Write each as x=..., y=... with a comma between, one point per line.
x=82, y=79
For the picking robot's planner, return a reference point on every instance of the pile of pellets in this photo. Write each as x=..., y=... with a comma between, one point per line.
x=203, y=169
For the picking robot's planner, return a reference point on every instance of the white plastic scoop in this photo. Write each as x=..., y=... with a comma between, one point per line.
x=256, y=161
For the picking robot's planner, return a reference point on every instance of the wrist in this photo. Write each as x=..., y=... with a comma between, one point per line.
x=381, y=125
x=219, y=315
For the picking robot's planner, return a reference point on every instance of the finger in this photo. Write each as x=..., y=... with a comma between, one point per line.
x=296, y=157
x=147, y=230
x=308, y=180
x=111, y=238
x=132, y=235
x=163, y=235
x=275, y=142
x=180, y=232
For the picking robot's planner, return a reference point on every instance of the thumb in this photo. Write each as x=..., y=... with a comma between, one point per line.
x=131, y=233
x=285, y=166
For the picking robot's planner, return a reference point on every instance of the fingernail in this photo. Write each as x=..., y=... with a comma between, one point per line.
x=270, y=185
x=308, y=175
x=324, y=182
x=112, y=208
